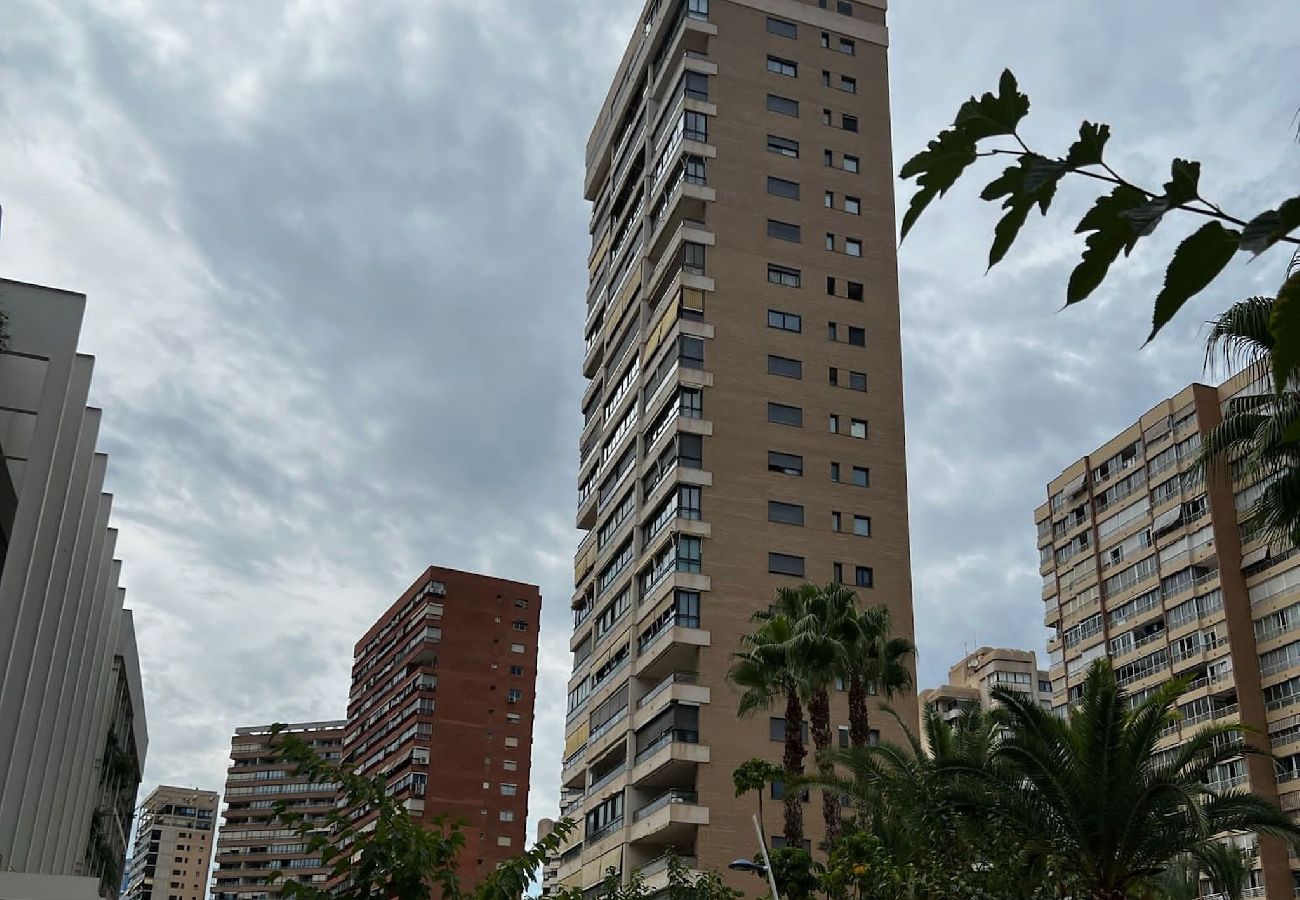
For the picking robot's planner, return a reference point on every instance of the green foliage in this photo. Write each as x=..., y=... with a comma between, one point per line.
x=1285, y=328
x=374, y=848
x=683, y=884
x=797, y=876
x=755, y=775
x=1116, y=221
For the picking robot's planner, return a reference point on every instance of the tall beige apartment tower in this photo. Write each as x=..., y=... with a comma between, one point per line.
x=173, y=845
x=1143, y=562
x=743, y=423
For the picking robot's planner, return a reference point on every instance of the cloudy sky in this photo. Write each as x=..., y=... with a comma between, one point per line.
x=309, y=229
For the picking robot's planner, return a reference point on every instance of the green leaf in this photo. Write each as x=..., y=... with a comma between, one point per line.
x=1292, y=433
x=1145, y=217
x=1112, y=232
x=1197, y=261
x=1269, y=227
x=1184, y=182
x=1285, y=326
x=936, y=169
x=989, y=115
x=1032, y=180
x=1087, y=150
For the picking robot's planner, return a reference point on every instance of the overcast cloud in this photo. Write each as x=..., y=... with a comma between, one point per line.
x=335, y=255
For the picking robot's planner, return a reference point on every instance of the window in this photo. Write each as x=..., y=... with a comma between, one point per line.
x=781, y=414
x=844, y=8
x=781, y=66
x=835, y=377
x=509, y=790
x=835, y=424
x=826, y=79
x=776, y=728
x=695, y=126
x=853, y=246
x=857, y=336
x=855, y=290
x=692, y=258
x=521, y=604
x=783, y=320
x=861, y=476
x=786, y=368
x=785, y=463
x=847, y=46
x=782, y=105
x=849, y=123
x=782, y=27
x=506, y=815
x=509, y=765
x=843, y=731
x=863, y=576
x=696, y=85
x=828, y=157
x=784, y=513
x=520, y=625
x=784, y=231
x=826, y=117
x=832, y=332
x=862, y=526
x=513, y=718
x=835, y=472
x=858, y=428
x=503, y=840
x=830, y=241
x=781, y=188
x=846, y=84
x=514, y=695
x=853, y=205
x=837, y=521
x=516, y=670
x=690, y=353
x=830, y=286
x=516, y=648
x=783, y=146
x=850, y=163
x=785, y=564
x=857, y=381
x=784, y=276
x=512, y=742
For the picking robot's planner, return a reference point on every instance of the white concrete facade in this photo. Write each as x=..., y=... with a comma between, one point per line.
x=72, y=726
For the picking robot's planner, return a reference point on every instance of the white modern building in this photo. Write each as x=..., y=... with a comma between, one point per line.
x=72, y=724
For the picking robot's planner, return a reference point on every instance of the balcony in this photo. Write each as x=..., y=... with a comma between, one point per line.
x=673, y=647
x=670, y=759
x=655, y=873
x=670, y=818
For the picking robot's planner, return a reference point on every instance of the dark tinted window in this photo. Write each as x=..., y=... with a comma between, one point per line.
x=782, y=27
x=782, y=188
x=783, y=275
x=785, y=564
x=785, y=231
x=785, y=513
x=784, y=320
x=784, y=146
x=785, y=463
x=861, y=476
x=783, y=105
x=785, y=367
x=784, y=415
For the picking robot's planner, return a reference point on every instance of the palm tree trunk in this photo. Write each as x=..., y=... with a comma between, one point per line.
x=819, y=714
x=793, y=763
x=859, y=712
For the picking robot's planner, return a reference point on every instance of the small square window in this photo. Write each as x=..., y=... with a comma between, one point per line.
x=855, y=290
x=853, y=205
x=516, y=670
x=509, y=765
x=512, y=742
x=848, y=47
x=862, y=526
x=850, y=163
x=516, y=648
x=506, y=815
x=857, y=336
x=861, y=476
x=519, y=625
x=844, y=8
x=509, y=790
x=858, y=428
x=503, y=840
x=514, y=718
x=514, y=695
x=521, y=604
x=849, y=123
x=848, y=84
x=863, y=576
x=853, y=246
x=857, y=381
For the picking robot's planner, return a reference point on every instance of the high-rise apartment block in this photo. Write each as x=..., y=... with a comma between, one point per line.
x=442, y=698
x=1143, y=562
x=256, y=852
x=72, y=725
x=743, y=422
x=972, y=680
x=173, y=845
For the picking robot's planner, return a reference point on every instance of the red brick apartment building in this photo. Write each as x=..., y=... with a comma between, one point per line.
x=442, y=698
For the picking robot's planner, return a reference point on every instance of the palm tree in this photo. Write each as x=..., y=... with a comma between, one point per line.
x=872, y=662
x=755, y=775
x=764, y=673
x=1261, y=430
x=814, y=650
x=1092, y=793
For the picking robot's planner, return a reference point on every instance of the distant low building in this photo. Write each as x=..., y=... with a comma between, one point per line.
x=972, y=680
x=173, y=845
x=72, y=724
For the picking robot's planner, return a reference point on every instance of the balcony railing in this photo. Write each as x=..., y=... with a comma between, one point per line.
x=671, y=679
x=606, y=778
x=671, y=736
x=606, y=829
x=674, y=795
x=683, y=619
x=605, y=727
x=660, y=863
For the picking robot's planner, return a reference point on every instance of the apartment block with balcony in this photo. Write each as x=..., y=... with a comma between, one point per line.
x=257, y=852
x=1143, y=563
x=972, y=679
x=72, y=718
x=742, y=424
x=443, y=690
x=173, y=845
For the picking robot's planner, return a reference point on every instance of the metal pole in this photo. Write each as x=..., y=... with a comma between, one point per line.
x=767, y=860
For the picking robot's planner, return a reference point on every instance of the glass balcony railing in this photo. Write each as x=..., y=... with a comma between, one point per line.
x=671, y=736
x=673, y=678
x=667, y=798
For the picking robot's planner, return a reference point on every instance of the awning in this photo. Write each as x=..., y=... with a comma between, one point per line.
x=1076, y=484
x=1168, y=518
x=1259, y=554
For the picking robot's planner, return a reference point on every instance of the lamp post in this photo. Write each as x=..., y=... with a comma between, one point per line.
x=759, y=869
